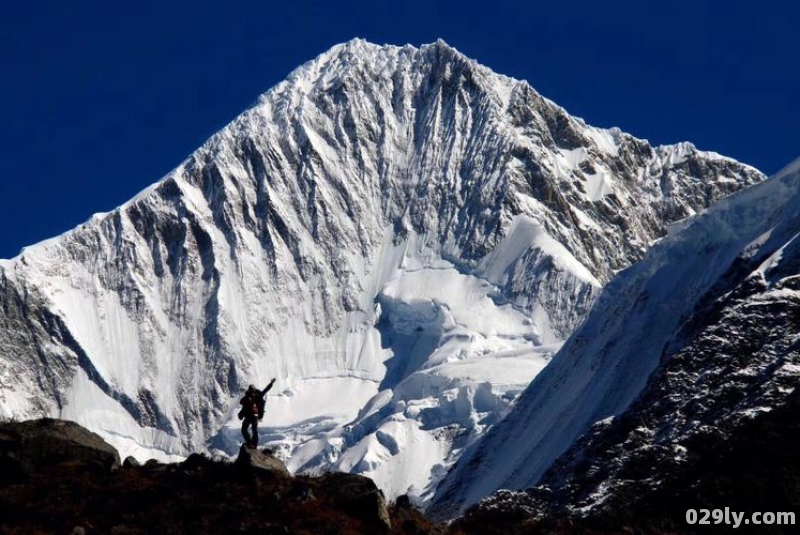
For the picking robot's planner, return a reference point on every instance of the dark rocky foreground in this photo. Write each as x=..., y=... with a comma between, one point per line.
x=756, y=469
x=57, y=477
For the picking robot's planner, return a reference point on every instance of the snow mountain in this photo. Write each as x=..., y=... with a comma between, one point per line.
x=399, y=235
x=685, y=353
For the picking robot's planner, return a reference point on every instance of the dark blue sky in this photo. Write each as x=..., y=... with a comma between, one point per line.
x=99, y=99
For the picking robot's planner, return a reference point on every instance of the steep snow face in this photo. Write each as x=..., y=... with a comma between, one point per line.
x=682, y=348
x=399, y=235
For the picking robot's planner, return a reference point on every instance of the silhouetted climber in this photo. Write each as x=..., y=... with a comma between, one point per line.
x=252, y=411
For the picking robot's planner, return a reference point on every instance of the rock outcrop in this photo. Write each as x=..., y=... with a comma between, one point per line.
x=56, y=477
x=359, y=497
x=35, y=446
x=253, y=459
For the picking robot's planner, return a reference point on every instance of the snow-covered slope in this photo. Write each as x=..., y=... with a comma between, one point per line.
x=681, y=350
x=399, y=235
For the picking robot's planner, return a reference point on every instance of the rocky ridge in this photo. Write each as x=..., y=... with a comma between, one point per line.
x=60, y=478
x=680, y=393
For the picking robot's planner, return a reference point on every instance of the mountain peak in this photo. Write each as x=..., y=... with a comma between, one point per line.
x=360, y=44
x=441, y=46
x=359, y=50
x=397, y=223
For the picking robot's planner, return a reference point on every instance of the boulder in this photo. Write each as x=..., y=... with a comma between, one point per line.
x=251, y=458
x=359, y=497
x=196, y=462
x=36, y=444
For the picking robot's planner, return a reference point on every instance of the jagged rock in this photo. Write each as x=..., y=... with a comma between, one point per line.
x=403, y=502
x=36, y=444
x=406, y=517
x=251, y=458
x=359, y=497
x=198, y=495
x=196, y=461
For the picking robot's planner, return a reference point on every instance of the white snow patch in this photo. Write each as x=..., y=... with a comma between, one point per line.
x=89, y=406
x=526, y=233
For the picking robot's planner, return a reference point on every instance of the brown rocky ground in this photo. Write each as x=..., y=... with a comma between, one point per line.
x=56, y=477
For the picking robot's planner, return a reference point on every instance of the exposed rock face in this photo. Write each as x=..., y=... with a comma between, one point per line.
x=67, y=491
x=751, y=469
x=359, y=496
x=687, y=354
x=35, y=446
x=253, y=459
x=738, y=357
x=400, y=235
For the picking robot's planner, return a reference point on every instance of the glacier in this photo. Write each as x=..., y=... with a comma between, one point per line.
x=681, y=350
x=401, y=236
